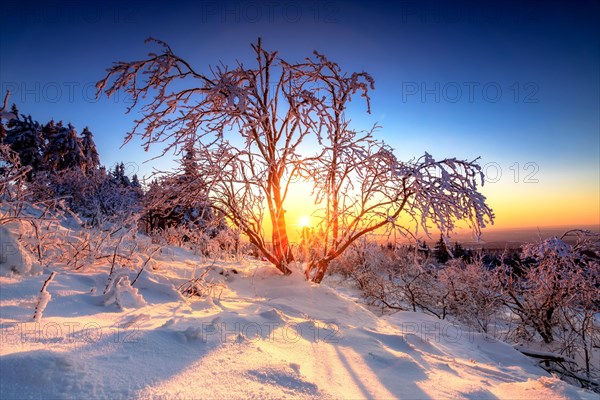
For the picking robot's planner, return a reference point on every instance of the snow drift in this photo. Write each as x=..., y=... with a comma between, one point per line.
x=262, y=336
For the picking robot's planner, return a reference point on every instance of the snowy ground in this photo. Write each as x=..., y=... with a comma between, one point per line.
x=267, y=337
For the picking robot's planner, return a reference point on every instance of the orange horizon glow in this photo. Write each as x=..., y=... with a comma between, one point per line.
x=551, y=203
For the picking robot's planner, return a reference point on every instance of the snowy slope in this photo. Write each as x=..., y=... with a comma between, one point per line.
x=267, y=336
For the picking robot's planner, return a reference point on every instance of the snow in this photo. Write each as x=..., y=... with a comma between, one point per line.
x=13, y=258
x=263, y=336
x=42, y=303
x=123, y=295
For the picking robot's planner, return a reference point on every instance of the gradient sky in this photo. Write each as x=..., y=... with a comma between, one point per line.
x=516, y=84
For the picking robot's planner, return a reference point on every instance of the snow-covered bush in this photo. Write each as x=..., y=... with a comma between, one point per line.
x=557, y=296
x=539, y=291
x=419, y=285
x=123, y=295
x=394, y=279
x=474, y=296
x=13, y=188
x=202, y=286
x=13, y=256
x=94, y=196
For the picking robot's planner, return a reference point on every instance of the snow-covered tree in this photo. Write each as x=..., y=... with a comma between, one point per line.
x=63, y=150
x=250, y=123
x=90, y=153
x=24, y=136
x=166, y=207
x=269, y=106
x=442, y=254
x=543, y=289
x=118, y=176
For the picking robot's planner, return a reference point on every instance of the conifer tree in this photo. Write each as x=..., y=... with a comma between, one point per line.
x=72, y=154
x=24, y=136
x=90, y=153
x=441, y=251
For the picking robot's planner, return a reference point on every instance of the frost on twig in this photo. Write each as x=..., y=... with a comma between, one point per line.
x=43, y=299
x=201, y=287
x=123, y=295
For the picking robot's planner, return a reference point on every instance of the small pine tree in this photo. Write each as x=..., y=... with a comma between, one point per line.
x=189, y=162
x=135, y=182
x=441, y=251
x=90, y=153
x=51, y=132
x=118, y=176
x=72, y=153
x=181, y=199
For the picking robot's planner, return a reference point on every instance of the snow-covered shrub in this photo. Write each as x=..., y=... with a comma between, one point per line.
x=201, y=286
x=394, y=279
x=225, y=245
x=556, y=297
x=13, y=256
x=473, y=290
x=537, y=292
x=12, y=184
x=360, y=260
x=123, y=295
x=420, y=287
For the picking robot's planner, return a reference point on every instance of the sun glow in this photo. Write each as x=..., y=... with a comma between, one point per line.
x=304, y=221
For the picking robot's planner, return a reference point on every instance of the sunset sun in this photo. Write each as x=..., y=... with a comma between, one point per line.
x=304, y=221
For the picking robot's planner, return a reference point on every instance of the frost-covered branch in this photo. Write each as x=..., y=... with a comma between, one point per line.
x=43, y=299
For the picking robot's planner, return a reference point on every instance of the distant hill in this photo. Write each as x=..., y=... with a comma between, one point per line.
x=515, y=237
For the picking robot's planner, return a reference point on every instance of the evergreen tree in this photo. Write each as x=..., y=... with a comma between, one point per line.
x=72, y=156
x=458, y=251
x=52, y=133
x=118, y=176
x=441, y=251
x=181, y=199
x=90, y=153
x=189, y=162
x=135, y=181
x=64, y=147
x=15, y=111
x=25, y=137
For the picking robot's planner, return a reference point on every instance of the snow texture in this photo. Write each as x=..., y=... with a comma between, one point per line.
x=265, y=336
x=13, y=258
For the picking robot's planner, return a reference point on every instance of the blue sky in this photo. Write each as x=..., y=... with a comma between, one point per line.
x=517, y=84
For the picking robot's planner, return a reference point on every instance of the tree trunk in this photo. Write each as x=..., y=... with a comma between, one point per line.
x=281, y=244
x=546, y=331
x=321, y=268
